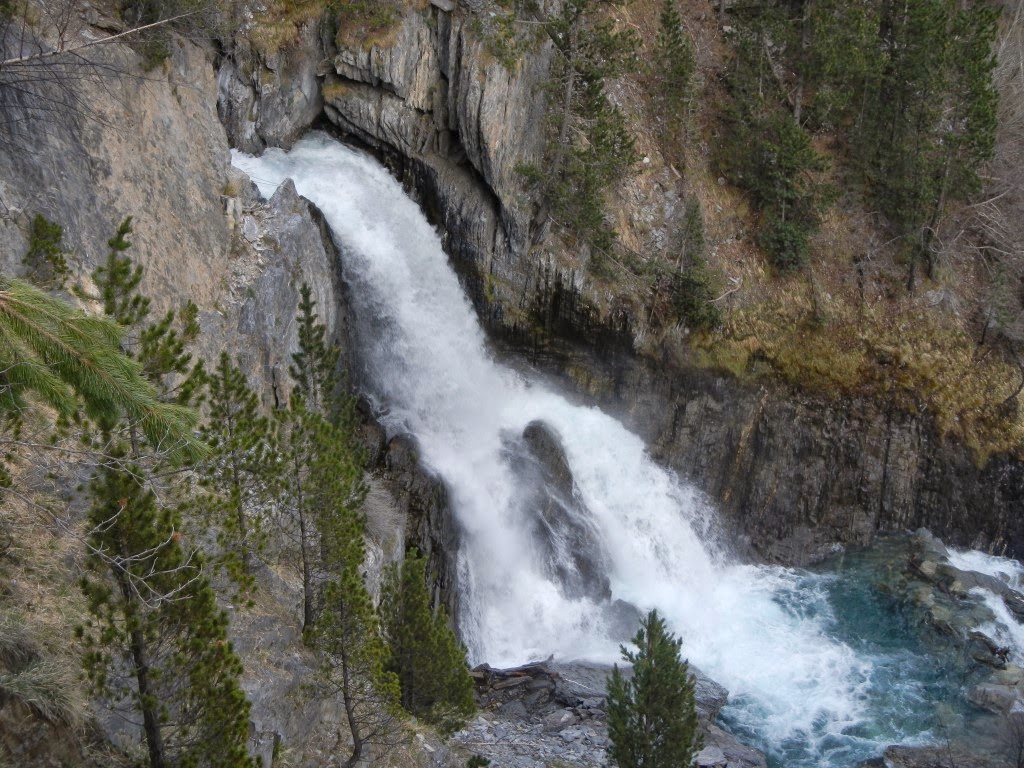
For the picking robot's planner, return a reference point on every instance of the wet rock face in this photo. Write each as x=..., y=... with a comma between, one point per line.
x=943, y=598
x=563, y=531
x=429, y=524
x=795, y=476
x=554, y=713
x=456, y=125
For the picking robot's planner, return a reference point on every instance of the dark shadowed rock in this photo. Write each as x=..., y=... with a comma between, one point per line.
x=562, y=526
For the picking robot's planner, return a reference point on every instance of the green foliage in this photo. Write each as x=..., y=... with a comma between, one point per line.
x=589, y=148
x=118, y=281
x=347, y=635
x=477, y=761
x=240, y=473
x=160, y=346
x=931, y=117
x=692, y=295
x=320, y=480
x=44, y=258
x=837, y=59
x=689, y=284
x=314, y=367
x=505, y=35
x=156, y=643
x=652, y=717
x=319, y=492
x=425, y=654
x=674, y=66
x=769, y=155
x=320, y=495
x=907, y=89
x=66, y=358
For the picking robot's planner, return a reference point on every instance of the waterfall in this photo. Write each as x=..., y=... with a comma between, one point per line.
x=625, y=535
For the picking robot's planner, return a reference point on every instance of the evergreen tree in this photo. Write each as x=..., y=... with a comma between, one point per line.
x=348, y=639
x=45, y=258
x=930, y=118
x=321, y=466
x=159, y=346
x=314, y=367
x=64, y=357
x=768, y=154
x=837, y=60
x=156, y=642
x=425, y=654
x=240, y=473
x=320, y=486
x=590, y=148
x=652, y=717
x=674, y=67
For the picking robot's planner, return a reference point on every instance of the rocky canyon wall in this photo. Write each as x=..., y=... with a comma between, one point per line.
x=794, y=474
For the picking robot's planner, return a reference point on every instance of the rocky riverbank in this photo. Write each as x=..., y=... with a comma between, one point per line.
x=549, y=713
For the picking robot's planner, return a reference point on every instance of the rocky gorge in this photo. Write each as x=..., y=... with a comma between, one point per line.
x=796, y=476
x=455, y=123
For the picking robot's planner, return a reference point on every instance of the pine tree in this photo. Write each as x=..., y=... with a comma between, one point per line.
x=159, y=346
x=314, y=367
x=674, y=67
x=425, y=654
x=156, y=642
x=45, y=257
x=64, y=357
x=320, y=483
x=652, y=717
x=590, y=148
x=240, y=473
x=347, y=637
x=930, y=118
x=321, y=466
x=837, y=60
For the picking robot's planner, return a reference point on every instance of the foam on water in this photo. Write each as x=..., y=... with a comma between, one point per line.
x=763, y=632
x=1011, y=571
x=1005, y=628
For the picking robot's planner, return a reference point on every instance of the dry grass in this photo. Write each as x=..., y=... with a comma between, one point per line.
x=277, y=25
x=899, y=353
x=47, y=687
x=372, y=23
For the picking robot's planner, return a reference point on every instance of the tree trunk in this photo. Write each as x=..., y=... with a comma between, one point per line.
x=305, y=554
x=805, y=37
x=140, y=661
x=567, y=95
x=348, y=695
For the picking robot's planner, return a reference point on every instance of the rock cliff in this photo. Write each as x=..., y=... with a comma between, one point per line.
x=153, y=147
x=794, y=474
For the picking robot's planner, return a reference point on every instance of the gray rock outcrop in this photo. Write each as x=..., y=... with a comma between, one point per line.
x=554, y=713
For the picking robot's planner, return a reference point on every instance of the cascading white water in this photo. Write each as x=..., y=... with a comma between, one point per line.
x=1005, y=628
x=763, y=632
